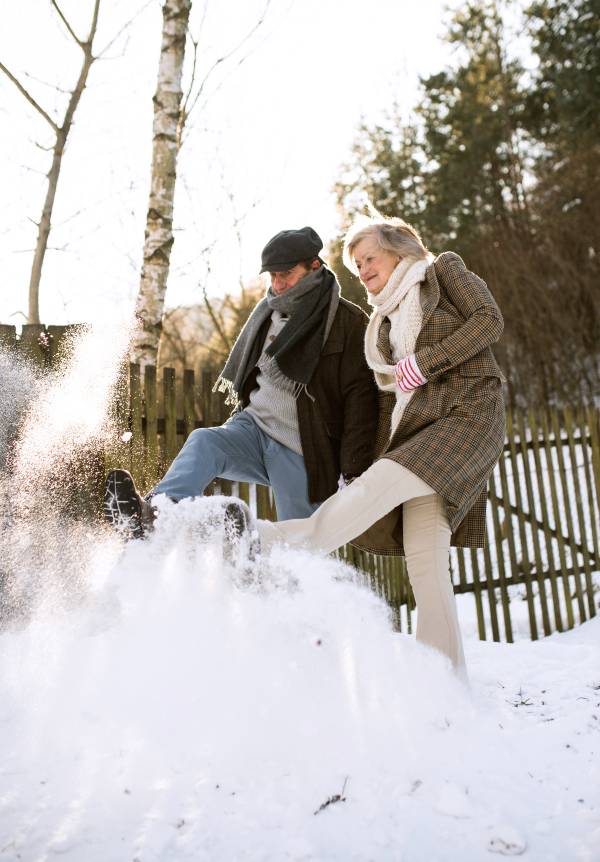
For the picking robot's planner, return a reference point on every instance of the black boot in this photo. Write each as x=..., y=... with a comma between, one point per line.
x=124, y=508
x=242, y=542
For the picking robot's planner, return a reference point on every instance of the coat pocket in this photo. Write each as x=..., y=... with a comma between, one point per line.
x=332, y=347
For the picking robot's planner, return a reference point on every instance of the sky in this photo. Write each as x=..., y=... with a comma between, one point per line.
x=261, y=155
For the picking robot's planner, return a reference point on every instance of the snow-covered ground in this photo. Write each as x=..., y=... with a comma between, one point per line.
x=173, y=714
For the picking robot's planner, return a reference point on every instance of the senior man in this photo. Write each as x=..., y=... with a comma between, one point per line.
x=305, y=398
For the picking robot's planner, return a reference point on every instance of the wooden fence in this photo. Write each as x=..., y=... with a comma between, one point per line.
x=542, y=552
x=542, y=547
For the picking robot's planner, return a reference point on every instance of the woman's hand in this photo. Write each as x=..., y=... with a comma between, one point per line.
x=408, y=376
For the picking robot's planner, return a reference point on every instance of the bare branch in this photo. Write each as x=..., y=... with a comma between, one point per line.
x=124, y=27
x=195, y=42
x=67, y=25
x=216, y=322
x=90, y=38
x=46, y=84
x=216, y=90
x=183, y=114
x=118, y=56
x=29, y=98
x=218, y=62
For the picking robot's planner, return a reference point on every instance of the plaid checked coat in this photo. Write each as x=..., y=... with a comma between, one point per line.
x=452, y=431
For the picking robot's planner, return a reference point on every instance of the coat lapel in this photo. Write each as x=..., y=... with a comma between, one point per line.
x=383, y=341
x=430, y=296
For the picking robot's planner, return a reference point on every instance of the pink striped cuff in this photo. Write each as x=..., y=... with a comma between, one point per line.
x=408, y=375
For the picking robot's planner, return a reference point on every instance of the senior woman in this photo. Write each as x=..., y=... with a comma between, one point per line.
x=441, y=422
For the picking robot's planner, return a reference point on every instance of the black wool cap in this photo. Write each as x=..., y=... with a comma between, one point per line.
x=289, y=247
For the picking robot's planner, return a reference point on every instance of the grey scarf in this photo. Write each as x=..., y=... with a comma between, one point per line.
x=290, y=360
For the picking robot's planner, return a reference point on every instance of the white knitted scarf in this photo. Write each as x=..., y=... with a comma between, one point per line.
x=402, y=292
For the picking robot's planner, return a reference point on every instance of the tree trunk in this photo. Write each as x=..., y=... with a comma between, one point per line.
x=62, y=134
x=159, y=222
x=44, y=231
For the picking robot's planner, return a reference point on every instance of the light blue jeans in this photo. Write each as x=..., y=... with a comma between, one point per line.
x=242, y=452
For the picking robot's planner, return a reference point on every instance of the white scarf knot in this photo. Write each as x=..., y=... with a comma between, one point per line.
x=402, y=293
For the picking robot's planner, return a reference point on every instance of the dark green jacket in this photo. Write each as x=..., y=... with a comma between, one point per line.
x=338, y=413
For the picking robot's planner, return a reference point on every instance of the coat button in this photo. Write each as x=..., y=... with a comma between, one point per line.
x=271, y=338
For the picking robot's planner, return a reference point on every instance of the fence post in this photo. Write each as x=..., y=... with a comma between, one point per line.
x=533, y=521
x=150, y=431
x=525, y=564
x=170, y=409
x=31, y=344
x=557, y=517
x=533, y=426
x=137, y=441
x=207, y=395
x=581, y=420
x=500, y=560
x=263, y=509
x=189, y=403
x=580, y=517
x=566, y=500
x=594, y=426
x=8, y=336
x=224, y=413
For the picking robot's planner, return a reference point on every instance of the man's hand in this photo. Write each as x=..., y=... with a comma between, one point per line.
x=345, y=480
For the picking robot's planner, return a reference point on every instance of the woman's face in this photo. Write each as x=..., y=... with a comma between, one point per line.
x=374, y=265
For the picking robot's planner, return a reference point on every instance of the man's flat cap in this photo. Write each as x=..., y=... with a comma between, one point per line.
x=289, y=247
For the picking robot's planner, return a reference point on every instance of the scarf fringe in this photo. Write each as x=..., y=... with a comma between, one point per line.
x=271, y=370
x=268, y=366
x=224, y=385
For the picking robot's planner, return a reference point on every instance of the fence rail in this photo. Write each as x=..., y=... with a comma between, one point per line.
x=542, y=550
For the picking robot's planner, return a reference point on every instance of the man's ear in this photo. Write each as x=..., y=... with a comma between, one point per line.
x=315, y=265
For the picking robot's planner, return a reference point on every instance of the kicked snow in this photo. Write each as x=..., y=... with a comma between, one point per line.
x=155, y=707
x=181, y=715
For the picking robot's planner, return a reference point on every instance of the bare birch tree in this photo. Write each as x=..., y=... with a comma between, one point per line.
x=62, y=133
x=159, y=221
x=171, y=117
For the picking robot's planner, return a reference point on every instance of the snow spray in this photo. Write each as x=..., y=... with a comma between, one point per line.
x=53, y=425
x=153, y=708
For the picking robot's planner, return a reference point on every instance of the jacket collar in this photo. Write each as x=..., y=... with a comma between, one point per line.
x=383, y=341
x=430, y=294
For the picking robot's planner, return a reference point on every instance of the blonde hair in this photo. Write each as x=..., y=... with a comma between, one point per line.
x=393, y=235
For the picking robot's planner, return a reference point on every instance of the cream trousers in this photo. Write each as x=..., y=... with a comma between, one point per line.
x=426, y=531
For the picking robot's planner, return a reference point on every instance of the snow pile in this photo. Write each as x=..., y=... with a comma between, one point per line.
x=154, y=707
x=180, y=716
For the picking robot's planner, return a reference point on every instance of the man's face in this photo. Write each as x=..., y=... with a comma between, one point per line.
x=283, y=281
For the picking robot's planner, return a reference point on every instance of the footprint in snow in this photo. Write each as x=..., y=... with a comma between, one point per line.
x=506, y=840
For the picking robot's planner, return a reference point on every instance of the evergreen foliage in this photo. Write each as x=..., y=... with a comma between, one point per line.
x=502, y=165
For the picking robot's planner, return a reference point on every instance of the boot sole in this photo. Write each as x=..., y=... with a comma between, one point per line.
x=242, y=548
x=121, y=504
